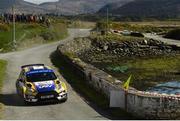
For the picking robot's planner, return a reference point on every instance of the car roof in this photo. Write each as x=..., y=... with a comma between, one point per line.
x=35, y=68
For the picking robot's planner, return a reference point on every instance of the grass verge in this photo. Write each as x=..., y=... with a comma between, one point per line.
x=140, y=27
x=30, y=34
x=2, y=75
x=96, y=99
x=147, y=71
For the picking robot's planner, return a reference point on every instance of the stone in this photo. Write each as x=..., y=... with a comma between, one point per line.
x=105, y=47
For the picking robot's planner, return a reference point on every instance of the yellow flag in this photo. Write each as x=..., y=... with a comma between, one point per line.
x=126, y=84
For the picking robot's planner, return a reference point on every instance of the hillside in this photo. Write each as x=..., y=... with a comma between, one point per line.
x=113, y=6
x=77, y=6
x=146, y=8
x=20, y=7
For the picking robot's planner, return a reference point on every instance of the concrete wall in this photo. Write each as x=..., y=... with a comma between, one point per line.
x=141, y=104
x=153, y=106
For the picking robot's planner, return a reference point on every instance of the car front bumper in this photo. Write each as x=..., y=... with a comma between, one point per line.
x=38, y=97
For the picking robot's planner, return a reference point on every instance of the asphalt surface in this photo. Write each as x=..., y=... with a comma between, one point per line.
x=165, y=40
x=74, y=108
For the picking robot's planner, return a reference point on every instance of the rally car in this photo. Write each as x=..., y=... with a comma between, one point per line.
x=38, y=82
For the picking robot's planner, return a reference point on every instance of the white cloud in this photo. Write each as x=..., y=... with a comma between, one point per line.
x=40, y=1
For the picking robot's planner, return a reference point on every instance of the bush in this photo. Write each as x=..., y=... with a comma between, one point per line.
x=47, y=35
x=137, y=34
x=4, y=27
x=31, y=26
x=174, y=34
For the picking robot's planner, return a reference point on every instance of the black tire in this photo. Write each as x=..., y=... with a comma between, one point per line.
x=65, y=99
x=28, y=103
x=17, y=91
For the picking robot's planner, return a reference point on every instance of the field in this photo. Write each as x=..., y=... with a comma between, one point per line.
x=81, y=24
x=144, y=27
x=147, y=71
x=2, y=75
x=159, y=27
x=30, y=34
x=158, y=23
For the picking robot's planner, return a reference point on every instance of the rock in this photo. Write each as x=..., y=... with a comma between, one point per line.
x=114, y=51
x=118, y=82
x=144, y=46
x=102, y=50
x=105, y=47
x=145, y=42
x=154, y=47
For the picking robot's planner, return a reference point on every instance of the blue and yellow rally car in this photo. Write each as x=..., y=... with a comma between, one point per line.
x=38, y=82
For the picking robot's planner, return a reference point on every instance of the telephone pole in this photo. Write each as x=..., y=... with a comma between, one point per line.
x=107, y=21
x=14, y=28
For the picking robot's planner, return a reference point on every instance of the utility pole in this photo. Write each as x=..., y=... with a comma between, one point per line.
x=56, y=12
x=14, y=28
x=107, y=21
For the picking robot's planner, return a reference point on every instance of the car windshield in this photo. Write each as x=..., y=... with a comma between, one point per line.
x=42, y=76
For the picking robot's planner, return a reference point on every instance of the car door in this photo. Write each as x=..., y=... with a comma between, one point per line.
x=21, y=83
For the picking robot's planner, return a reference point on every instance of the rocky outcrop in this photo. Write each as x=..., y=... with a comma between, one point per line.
x=134, y=48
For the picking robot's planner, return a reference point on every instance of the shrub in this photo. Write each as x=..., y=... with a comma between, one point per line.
x=174, y=34
x=47, y=35
x=31, y=26
x=4, y=27
x=137, y=34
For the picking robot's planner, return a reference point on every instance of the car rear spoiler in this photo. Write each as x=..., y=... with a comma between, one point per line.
x=32, y=65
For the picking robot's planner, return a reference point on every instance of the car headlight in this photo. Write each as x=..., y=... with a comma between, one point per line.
x=59, y=86
x=30, y=90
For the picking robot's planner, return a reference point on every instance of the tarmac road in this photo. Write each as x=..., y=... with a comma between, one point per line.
x=74, y=108
x=165, y=40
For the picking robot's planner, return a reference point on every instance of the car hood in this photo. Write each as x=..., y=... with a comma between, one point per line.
x=45, y=86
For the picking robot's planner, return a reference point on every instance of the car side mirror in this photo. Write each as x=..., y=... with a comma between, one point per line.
x=57, y=76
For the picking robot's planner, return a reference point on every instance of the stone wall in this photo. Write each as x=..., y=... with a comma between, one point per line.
x=142, y=104
x=140, y=47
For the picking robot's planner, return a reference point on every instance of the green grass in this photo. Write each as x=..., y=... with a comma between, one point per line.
x=2, y=75
x=31, y=33
x=146, y=71
x=2, y=71
x=140, y=27
x=167, y=64
x=79, y=84
x=81, y=24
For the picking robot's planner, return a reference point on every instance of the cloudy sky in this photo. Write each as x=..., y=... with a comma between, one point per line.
x=40, y=1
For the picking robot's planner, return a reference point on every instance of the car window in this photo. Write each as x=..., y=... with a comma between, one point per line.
x=22, y=76
x=42, y=76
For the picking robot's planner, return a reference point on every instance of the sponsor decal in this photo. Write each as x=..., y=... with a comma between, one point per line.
x=45, y=85
x=39, y=71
